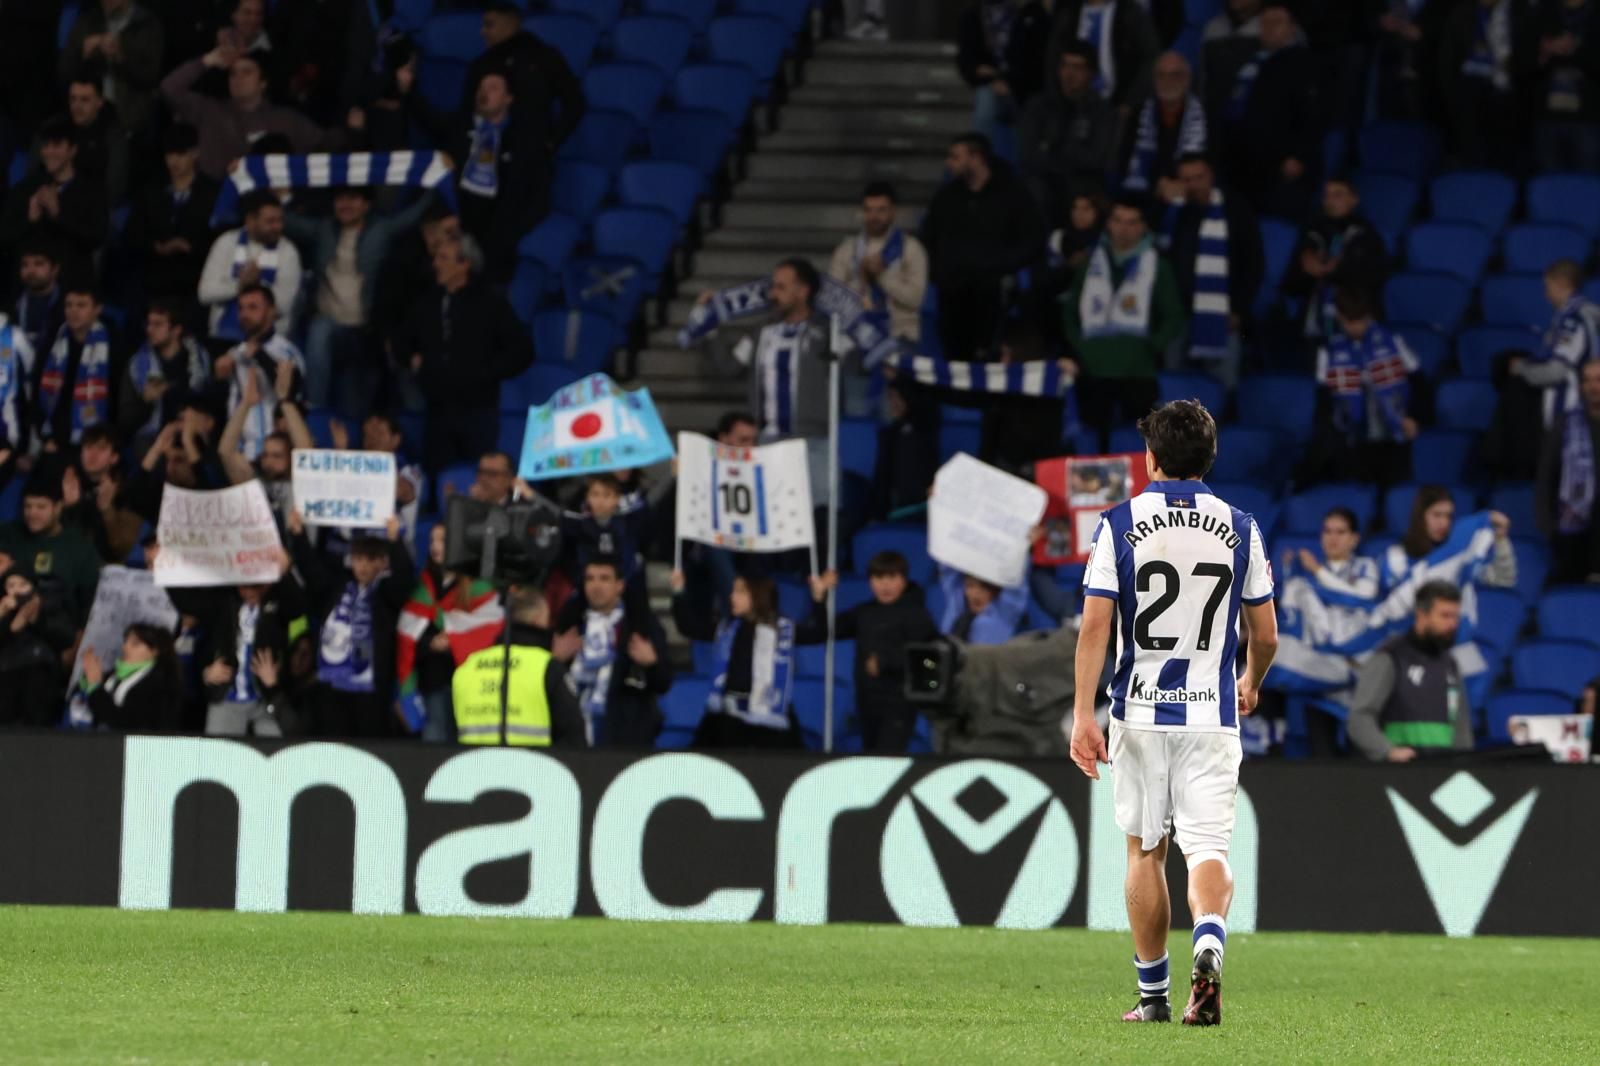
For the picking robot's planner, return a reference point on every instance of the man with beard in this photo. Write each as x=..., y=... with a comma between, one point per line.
x=272, y=464
x=264, y=358
x=1409, y=697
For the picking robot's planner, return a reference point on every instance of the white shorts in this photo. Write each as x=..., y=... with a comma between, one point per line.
x=1164, y=781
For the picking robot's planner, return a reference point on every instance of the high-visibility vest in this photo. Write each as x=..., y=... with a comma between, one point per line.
x=475, y=689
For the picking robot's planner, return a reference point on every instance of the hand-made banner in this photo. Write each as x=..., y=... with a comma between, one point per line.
x=225, y=537
x=327, y=170
x=744, y=499
x=591, y=427
x=344, y=488
x=979, y=519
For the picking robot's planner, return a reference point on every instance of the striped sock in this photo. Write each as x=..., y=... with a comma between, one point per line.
x=1153, y=981
x=1210, y=931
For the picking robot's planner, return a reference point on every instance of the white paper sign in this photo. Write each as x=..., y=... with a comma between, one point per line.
x=226, y=537
x=350, y=489
x=1568, y=736
x=122, y=598
x=744, y=499
x=979, y=518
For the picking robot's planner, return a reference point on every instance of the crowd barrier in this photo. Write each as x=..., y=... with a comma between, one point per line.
x=159, y=822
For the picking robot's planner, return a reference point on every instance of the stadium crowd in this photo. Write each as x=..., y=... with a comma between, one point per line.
x=1157, y=209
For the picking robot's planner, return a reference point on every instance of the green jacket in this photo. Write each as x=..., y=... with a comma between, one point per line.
x=1127, y=356
x=66, y=559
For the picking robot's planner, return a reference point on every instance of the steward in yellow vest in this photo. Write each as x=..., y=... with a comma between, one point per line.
x=540, y=709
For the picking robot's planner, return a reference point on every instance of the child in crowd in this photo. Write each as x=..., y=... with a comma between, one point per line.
x=143, y=693
x=976, y=611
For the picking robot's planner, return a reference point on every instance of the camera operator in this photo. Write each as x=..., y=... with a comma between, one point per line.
x=540, y=709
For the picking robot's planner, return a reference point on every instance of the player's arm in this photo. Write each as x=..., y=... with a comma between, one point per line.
x=1261, y=621
x=1094, y=634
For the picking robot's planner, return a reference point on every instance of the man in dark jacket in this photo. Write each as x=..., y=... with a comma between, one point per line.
x=1409, y=698
x=1558, y=53
x=1121, y=33
x=121, y=42
x=102, y=137
x=1066, y=136
x=53, y=205
x=1565, y=490
x=462, y=341
x=617, y=659
x=1271, y=128
x=1337, y=249
x=170, y=225
x=1209, y=232
x=981, y=227
x=882, y=628
x=1000, y=54
x=549, y=96
x=248, y=626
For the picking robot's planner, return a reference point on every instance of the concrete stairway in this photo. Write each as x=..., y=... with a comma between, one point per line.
x=867, y=111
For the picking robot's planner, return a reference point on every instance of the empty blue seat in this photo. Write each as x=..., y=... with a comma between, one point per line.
x=684, y=704
x=697, y=137
x=1533, y=246
x=1570, y=612
x=1458, y=248
x=453, y=36
x=1281, y=402
x=1515, y=300
x=1185, y=385
x=573, y=35
x=754, y=42
x=1485, y=198
x=441, y=82
x=581, y=341
x=1514, y=499
x=540, y=381
x=1252, y=500
x=1566, y=199
x=529, y=285
x=673, y=187
x=810, y=708
x=513, y=425
x=1125, y=439
x=726, y=88
x=811, y=660
x=1426, y=343
x=1465, y=403
x=858, y=446
x=1402, y=146
x=319, y=420
x=453, y=480
x=1397, y=503
x=1501, y=614
x=1278, y=241
x=1477, y=346
x=1440, y=300
x=909, y=540
x=611, y=285
x=1439, y=456
x=1564, y=666
x=1388, y=200
x=1250, y=453
x=643, y=234
x=697, y=13
x=602, y=138
x=1520, y=702
x=703, y=656
x=578, y=189
x=853, y=590
x=1303, y=512
x=662, y=41
x=551, y=241
x=630, y=88
x=1533, y=563
x=959, y=437
x=603, y=12
x=411, y=15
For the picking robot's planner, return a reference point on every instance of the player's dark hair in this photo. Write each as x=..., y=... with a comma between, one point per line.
x=369, y=548
x=805, y=273
x=1345, y=515
x=888, y=564
x=879, y=188
x=1416, y=542
x=611, y=562
x=1439, y=591
x=1182, y=436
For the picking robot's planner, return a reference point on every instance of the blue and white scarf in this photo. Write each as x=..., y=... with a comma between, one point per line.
x=1142, y=168
x=1575, y=497
x=1490, y=56
x=323, y=170
x=778, y=364
x=894, y=246
x=265, y=258
x=33, y=324
x=243, y=687
x=480, y=171
x=1038, y=377
x=1209, y=328
x=1573, y=338
x=90, y=385
x=1095, y=29
x=15, y=358
x=1370, y=381
x=146, y=364
x=1244, y=84
x=866, y=332
x=591, y=670
x=344, y=655
x=771, y=659
x=1105, y=311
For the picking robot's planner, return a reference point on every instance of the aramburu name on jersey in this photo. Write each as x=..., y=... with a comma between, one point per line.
x=1138, y=691
x=1188, y=518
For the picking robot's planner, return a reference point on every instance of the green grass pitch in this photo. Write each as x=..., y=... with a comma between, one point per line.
x=215, y=987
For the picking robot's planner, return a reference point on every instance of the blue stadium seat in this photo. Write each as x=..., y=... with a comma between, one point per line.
x=1303, y=512
x=1591, y=290
x=551, y=241
x=574, y=35
x=1564, y=666
x=809, y=711
x=1515, y=300
x=319, y=420
x=909, y=540
x=1282, y=402
x=453, y=36
x=853, y=590
x=1397, y=504
x=1532, y=246
x=858, y=446
x=755, y=43
x=536, y=384
x=726, y=88
x=1477, y=346
x=794, y=596
x=1251, y=454
x=1388, y=200
x=1485, y=198
x=1439, y=456
x=579, y=341
x=513, y=426
x=604, y=12
x=1187, y=385
x=951, y=412
x=703, y=657
x=673, y=187
x=578, y=189
x=1402, y=146
x=19, y=167
x=632, y=89
x=411, y=15
x=1125, y=439
x=1465, y=403
x=1374, y=546
x=1501, y=614
x=1533, y=563
x=697, y=13
x=64, y=23
x=697, y=137
x=1569, y=612
x=527, y=292
x=1457, y=248
x=1252, y=500
x=682, y=707
x=1566, y=199
x=810, y=660
x=793, y=14
x=959, y=437
x=662, y=41
x=1514, y=499
x=611, y=285
x=454, y=479
x=1278, y=241
x=602, y=138
x=1426, y=343
x=1509, y=703
x=1440, y=300
x=643, y=234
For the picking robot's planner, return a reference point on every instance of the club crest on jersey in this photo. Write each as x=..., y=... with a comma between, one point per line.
x=1190, y=519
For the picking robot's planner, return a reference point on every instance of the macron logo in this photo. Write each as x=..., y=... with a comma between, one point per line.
x=1137, y=690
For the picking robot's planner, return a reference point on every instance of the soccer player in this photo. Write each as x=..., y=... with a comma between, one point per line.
x=1176, y=566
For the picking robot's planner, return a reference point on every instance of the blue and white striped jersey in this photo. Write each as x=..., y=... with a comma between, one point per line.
x=1178, y=562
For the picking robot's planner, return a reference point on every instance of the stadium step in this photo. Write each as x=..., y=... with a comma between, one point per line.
x=894, y=96
x=930, y=51
x=818, y=245
x=864, y=71
x=789, y=190
x=929, y=144
x=836, y=218
x=947, y=121
x=773, y=164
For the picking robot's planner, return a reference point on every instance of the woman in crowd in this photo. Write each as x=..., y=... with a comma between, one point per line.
x=142, y=692
x=1425, y=546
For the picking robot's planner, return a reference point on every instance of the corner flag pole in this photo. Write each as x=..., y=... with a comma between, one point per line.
x=834, y=344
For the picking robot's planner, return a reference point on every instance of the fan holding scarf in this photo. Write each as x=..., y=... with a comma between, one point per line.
x=884, y=265
x=1365, y=372
x=74, y=378
x=1564, y=497
x=254, y=254
x=1169, y=126
x=616, y=656
x=1123, y=35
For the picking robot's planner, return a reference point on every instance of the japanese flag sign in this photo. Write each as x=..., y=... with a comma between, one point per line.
x=744, y=499
x=590, y=427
